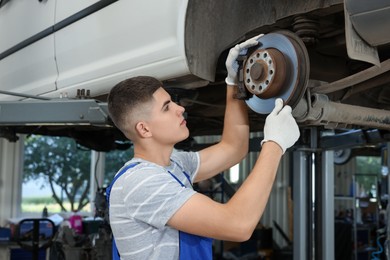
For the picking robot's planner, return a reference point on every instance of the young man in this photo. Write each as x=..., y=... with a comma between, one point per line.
x=154, y=212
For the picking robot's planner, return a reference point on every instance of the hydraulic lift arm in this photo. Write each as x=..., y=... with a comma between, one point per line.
x=85, y=120
x=54, y=112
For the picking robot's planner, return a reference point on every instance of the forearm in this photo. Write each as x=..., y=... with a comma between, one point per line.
x=233, y=146
x=236, y=125
x=249, y=202
x=236, y=219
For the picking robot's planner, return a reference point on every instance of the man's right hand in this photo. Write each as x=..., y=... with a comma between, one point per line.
x=280, y=126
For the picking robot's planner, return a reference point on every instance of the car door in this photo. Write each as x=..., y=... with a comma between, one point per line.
x=27, y=63
x=108, y=41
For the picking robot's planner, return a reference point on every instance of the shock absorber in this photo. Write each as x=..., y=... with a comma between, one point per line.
x=306, y=28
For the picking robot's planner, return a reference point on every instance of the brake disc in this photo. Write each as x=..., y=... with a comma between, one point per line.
x=277, y=68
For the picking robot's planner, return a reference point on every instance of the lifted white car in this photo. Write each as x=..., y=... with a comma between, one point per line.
x=336, y=60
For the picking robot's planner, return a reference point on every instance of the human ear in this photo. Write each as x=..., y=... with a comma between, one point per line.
x=143, y=129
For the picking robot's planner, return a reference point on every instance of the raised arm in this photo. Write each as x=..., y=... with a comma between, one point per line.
x=235, y=136
x=236, y=219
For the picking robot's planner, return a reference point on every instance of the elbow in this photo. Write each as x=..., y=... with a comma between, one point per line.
x=242, y=233
x=242, y=237
x=238, y=226
x=242, y=153
x=245, y=149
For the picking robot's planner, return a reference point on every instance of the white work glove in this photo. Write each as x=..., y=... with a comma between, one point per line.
x=280, y=126
x=231, y=61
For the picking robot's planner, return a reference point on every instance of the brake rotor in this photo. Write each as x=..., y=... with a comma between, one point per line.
x=278, y=68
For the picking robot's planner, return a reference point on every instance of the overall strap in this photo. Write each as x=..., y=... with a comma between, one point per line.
x=115, y=253
x=121, y=172
x=185, y=174
x=192, y=247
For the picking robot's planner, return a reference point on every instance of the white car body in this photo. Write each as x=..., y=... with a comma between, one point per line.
x=93, y=53
x=53, y=48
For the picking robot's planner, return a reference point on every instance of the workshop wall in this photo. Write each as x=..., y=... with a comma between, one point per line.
x=10, y=178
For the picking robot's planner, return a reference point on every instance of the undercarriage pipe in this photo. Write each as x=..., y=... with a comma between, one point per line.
x=321, y=111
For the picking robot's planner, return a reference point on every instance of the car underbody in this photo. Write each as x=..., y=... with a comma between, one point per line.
x=333, y=89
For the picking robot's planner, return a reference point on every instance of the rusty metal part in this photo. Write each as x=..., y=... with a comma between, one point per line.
x=321, y=111
x=355, y=79
x=264, y=72
x=286, y=77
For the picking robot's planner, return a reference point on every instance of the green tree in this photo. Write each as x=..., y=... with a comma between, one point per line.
x=371, y=166
x=368, y=164
x=60, y=162
x=114, y=161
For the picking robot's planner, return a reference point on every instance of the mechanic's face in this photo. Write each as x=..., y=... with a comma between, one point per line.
x=167, y=122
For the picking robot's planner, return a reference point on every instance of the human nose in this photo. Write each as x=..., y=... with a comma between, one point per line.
x=180, y=109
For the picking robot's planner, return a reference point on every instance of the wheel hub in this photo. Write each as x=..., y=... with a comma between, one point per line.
x=264, y=72
x=278, y=68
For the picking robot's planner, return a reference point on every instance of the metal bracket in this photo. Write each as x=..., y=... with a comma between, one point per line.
x=54, y=112
x=351, y=138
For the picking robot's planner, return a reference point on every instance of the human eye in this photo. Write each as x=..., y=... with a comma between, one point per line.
x=166, y=106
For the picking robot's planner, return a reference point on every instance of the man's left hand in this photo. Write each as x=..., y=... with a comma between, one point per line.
x=231, y=61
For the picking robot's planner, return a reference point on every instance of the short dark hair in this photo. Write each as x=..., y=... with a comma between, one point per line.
x=127, y=95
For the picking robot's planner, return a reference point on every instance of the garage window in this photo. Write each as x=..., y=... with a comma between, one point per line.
x=56, y=175
x=61, y=176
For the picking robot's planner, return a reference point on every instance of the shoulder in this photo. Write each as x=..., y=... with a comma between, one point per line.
x=189, y=161
x=137, y=171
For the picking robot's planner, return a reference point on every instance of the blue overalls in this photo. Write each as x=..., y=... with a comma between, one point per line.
x=191, y=247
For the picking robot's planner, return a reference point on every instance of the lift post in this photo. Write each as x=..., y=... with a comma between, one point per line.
x=313, y=201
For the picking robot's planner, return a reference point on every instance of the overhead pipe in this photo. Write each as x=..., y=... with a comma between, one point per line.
x=319, y=110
